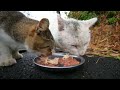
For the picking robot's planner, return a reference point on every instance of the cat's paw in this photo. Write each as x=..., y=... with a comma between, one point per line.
x=7, y=62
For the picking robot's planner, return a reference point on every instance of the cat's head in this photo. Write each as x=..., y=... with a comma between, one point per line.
x=40, y=38
x=74, y=35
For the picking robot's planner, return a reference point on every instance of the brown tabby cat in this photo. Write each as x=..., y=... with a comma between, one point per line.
x=20, y=32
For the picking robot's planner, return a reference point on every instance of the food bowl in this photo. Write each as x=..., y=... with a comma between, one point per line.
x=63, y=68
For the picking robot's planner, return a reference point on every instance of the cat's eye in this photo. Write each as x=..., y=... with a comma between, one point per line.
x=76, y=46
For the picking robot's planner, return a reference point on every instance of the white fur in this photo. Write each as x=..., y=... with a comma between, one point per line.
x=90, y=22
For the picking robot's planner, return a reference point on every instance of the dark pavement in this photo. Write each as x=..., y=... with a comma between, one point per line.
x=93, y=68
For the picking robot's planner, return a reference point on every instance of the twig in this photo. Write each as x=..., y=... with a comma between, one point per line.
x=99, y=59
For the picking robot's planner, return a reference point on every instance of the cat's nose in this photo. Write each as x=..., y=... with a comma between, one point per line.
x=81, y=54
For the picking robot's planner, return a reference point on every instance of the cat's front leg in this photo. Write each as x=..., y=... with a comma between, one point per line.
x=6, y=58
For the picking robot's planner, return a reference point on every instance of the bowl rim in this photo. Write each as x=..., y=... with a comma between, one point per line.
x=80, y=57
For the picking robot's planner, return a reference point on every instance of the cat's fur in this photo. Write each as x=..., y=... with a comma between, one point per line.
x=20, y=32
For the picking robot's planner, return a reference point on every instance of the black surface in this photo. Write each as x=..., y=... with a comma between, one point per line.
x=93, y=68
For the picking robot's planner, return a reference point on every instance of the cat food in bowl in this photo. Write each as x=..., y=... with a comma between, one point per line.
x=59, y=62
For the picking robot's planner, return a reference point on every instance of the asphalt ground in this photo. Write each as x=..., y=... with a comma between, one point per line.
x=94, y=68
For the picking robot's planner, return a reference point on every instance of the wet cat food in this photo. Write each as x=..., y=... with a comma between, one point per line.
x=64, y=61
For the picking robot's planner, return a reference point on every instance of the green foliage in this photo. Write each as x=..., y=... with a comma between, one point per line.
x=82, y=15
x=106, y=17
x=112, y=20
x=111, y=14
x=118, y=57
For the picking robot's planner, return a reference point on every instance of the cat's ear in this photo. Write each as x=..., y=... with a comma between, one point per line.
x=60, y=23
x=43, y=25
x=90, y=22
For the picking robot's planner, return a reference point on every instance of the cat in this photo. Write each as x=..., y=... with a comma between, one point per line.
x=18, y=32
x=73, y=35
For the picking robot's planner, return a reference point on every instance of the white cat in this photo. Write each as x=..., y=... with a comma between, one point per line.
x=74, y=35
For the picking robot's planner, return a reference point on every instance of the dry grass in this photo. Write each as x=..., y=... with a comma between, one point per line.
x=105, y=40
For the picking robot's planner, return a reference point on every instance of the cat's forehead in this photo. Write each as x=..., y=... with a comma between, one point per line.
x=72, y=23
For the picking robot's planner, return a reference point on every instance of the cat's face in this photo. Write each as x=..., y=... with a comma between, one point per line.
x=74, y=35
x=40, y=39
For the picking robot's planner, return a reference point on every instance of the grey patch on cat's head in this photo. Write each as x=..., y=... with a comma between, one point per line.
x=73, y=24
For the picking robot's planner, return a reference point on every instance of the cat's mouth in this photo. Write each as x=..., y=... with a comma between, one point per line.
x=44, y=47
